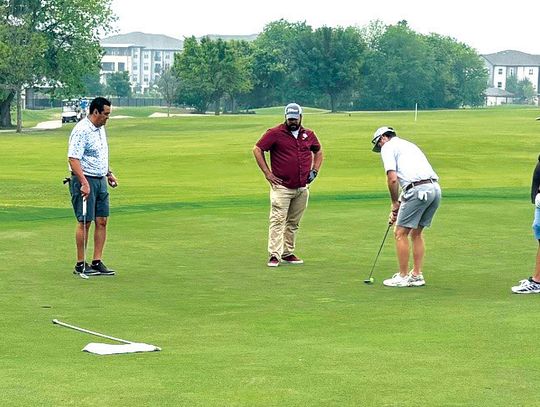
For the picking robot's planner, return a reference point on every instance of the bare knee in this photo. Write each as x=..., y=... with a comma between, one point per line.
x=416, y=233
x=401, y=233
x=101, y=222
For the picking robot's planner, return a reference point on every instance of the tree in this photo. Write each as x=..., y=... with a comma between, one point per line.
x=334, y=61
x=403, y=68
x=92, y=85
x=208, y=70
x=523, y=90
x=51, y=43
x=460, y=75
x=168, y=85
x=396, y=75
x=118, y=84
x=275, y=62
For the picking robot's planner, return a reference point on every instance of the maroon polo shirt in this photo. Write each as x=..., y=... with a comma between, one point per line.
x=290, y=158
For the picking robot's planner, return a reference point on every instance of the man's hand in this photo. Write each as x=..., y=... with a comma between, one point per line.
x=85, y=190
x=393, y=213
x=312, y=175
x=111, y=179
x=272, y=179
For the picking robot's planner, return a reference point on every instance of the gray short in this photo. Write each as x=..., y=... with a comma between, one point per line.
x=418, y=206
x=97, y=202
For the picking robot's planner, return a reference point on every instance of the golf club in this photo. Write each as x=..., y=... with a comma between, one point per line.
x=82, y=275
x=369, y=280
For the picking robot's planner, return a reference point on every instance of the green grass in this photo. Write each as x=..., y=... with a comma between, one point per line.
x=188, y=238
x=32, y=117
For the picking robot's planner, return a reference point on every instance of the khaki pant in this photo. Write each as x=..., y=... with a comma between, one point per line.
x=287, y=208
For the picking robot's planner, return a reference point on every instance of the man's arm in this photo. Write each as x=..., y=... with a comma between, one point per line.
x=393, y=188
x=76, y=168
x=535, y=181
x=261, y=162
x=317, y=158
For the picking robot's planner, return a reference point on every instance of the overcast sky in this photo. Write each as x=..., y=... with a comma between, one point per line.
x=486, y=25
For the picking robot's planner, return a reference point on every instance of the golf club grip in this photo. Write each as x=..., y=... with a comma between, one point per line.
x=76, y=328
x=84, y=207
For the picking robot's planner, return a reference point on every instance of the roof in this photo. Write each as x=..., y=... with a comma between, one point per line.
x=498, y=92
x=140, y=39
x=512, y=58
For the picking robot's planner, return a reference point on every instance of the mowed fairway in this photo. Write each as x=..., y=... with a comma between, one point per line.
x=187, y=236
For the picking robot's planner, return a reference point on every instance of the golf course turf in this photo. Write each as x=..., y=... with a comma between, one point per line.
x=187, y=236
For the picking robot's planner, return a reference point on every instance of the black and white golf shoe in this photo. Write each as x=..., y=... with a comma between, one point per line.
x=101, y=269
x=85, y=269
x=528, y=286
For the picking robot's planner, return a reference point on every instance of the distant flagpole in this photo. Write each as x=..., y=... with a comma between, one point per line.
x=415, y=111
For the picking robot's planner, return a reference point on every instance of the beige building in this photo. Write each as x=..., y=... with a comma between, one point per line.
x=143, y=56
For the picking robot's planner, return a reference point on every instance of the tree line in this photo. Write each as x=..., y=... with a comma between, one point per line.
x=55, y=44
x=376, y=67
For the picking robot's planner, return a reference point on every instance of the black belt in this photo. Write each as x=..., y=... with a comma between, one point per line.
x=421, y=182
x=90, y=176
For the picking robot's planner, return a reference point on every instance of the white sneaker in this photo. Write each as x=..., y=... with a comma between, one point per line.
x=527, y=287
x=397, y=281
x=416, y=281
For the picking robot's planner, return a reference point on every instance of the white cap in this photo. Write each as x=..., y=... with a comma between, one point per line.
x=381, y=131
x=293, y=111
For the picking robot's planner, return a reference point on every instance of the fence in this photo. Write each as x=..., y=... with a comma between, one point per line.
x=40, y=103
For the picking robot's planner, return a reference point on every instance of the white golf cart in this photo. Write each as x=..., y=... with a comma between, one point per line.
x=70, y=111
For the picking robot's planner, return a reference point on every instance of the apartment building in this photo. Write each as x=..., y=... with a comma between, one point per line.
x=143, y=56
x=501, y=65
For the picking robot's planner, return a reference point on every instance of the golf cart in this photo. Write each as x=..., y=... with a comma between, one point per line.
x=70, y=111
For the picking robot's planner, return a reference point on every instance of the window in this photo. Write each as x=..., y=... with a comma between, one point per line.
x=145, y=79
x=107, y=66
x=531, y=71
x=145, y=66
x=167, y=55
x=157, y=68
x=135, y=66
x=511, y=71
x=117, y=51
x=121, y=66
x=500, y=71
x=157, y=56
x=146, y=55
x=499, y=84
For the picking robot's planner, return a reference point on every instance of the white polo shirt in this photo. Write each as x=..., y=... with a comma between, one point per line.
x=88, y=144
x=407, y=160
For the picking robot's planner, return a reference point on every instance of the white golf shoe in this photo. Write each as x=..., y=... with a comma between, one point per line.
x=416, y=281
x=528, y=286
x=397, y=281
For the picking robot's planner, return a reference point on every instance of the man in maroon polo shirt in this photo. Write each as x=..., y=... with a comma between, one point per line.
x=295, y=159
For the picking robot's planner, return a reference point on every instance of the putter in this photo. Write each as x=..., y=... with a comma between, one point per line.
x=82, y=275
x=369, y=280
